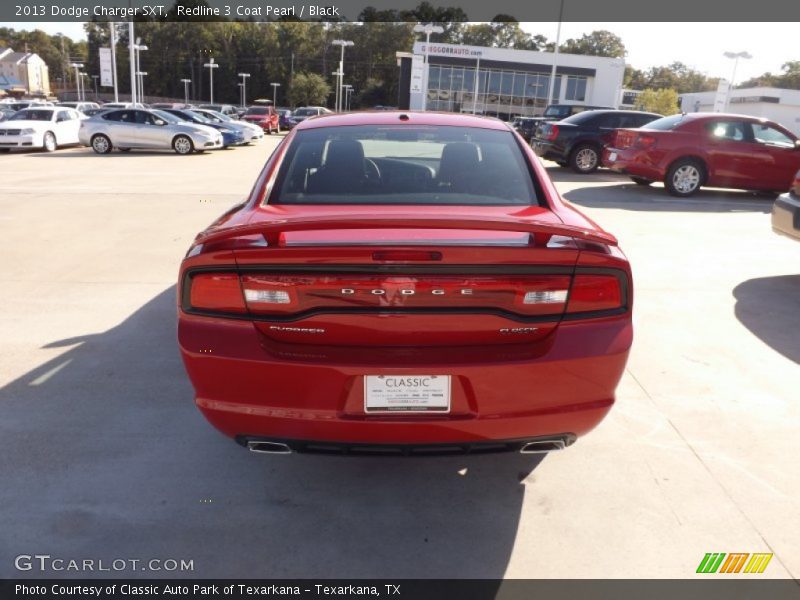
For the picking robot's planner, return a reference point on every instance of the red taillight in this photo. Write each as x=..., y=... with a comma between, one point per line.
x=552, y=132
x=218, y=292
x=592, y=293
x=645, y=141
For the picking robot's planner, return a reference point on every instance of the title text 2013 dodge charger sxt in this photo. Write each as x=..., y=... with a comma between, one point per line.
x=404, y=283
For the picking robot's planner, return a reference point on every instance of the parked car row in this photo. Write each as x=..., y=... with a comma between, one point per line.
x=684, y=151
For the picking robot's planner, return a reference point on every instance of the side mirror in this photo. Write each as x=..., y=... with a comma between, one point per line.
x=159, y=122
x=797, y=144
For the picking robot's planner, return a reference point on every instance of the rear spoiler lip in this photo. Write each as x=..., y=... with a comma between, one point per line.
x=272, y=229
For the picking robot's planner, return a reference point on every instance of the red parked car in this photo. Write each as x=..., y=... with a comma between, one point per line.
x=405, y=283
x=265, y=117
x=707, y=149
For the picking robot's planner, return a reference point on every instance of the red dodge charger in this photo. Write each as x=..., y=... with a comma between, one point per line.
x=404, y=283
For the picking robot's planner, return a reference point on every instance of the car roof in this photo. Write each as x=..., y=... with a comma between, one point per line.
x=385, y=117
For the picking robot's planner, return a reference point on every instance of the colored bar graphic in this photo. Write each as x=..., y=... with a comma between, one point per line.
x=713, y=562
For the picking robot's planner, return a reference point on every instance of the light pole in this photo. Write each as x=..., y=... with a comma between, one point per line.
x=186, y=83
x=77, y=67
x=244, y=77
x=82, y=87
x=132, y=61
x=211, y=65
x=95, y=77
x=275, y=87
x=347, y=91
x=552, y=86
x=735, y=56
x=427, y=29
x=241, y=93
x=113, y=44
x=343, y=44
x=142, y=75
x=139, y=47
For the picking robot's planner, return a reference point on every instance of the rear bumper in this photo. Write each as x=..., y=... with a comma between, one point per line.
x=630, y=162
x=548, y=151
x=248, y=388
x=786, y=216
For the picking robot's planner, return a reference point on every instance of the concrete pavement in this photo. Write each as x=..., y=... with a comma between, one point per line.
x=105, y=456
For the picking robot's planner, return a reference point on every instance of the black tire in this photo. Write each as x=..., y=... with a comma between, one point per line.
x=562, y=164
x=584, y=159
x=49, y=142
x=640, y=181
x=684, y=177
x=182, y=144
x=4, y=150
x=101, y=144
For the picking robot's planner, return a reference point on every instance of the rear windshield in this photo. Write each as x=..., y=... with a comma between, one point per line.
x=583, y=117
x=257, y=110
x=305, y=112
x=397, y=164
x=665, y=123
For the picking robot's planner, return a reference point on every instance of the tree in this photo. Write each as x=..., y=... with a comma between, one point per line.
x=308, y=89
x=663, y=101
x=597, y=43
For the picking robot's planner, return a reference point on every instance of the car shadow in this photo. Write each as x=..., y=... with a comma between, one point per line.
x=768, y=307
x=84, y=152
x=654, y=199
x=105, y=456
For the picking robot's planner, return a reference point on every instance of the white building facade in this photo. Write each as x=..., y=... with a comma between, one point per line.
x=509, y=82
x=775, y=104
x=28, y=68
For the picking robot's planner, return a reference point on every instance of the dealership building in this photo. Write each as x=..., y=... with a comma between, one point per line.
x=775, y=104
x=508, y=83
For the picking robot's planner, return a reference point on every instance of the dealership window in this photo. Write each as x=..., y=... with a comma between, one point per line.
x=576, y=88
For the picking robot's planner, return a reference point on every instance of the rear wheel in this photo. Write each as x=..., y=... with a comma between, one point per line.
x=584, y=159
x=182, y=145
x=101, y=144
x=640, y=181
x=684, y=177
x=49, y=142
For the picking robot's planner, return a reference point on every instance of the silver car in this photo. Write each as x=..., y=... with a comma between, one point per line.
x=142, y=128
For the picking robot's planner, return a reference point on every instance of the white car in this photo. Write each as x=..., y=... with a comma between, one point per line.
x=146, y=128
x=45, y=127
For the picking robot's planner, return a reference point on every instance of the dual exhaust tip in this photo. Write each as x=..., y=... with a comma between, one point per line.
x=535, y=447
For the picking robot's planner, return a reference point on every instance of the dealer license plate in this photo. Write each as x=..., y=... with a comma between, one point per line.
x=407, y=393
x=612, y=157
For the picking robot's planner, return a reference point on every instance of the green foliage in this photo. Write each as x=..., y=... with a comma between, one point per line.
x=663, y=101
x=675, y=76
x=597, y=43
x=308, y=89
x=789, y=79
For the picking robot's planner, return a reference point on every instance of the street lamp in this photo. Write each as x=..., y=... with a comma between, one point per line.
x=275, y=87
x=427, y=29
x=211, y=65
x=340, y=71
x=735, y=56
x=241, y=92
x=141, y=75
x=186, y=83
x=95, y=77
x=82, y=87
x=77, y=67
x=244, y=77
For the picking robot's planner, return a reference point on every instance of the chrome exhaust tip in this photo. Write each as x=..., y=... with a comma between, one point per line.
x=542, y=446
x=268, y=447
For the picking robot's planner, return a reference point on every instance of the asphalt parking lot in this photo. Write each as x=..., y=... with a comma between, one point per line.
x=103, y=455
